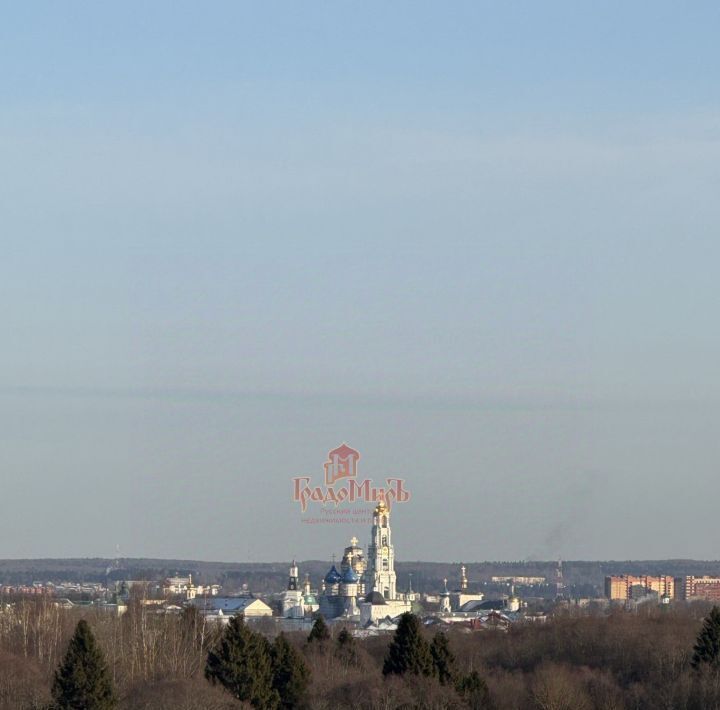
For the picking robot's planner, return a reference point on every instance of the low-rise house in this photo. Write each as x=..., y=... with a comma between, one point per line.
x=222, y=608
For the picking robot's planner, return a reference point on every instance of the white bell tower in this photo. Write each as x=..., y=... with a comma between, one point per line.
x=381, y=556
x=445, y=598
x=292, y=605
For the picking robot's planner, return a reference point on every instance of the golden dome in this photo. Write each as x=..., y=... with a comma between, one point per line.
x=381, y=506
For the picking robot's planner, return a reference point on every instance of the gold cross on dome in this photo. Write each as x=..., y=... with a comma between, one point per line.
x=354, y=541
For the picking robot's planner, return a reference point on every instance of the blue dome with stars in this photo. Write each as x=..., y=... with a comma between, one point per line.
x=333, y=576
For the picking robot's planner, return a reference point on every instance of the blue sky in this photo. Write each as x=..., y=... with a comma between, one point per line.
x=477, y=241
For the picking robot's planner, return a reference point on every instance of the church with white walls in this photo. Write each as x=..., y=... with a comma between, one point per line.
x=363, y=589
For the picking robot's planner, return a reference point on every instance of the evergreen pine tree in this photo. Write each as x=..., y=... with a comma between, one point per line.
x=707, y=646
x=290, y=674
x=473, y=689
x=346, y=648
x=409, y=651
x=82, y=681
x=443, y=659
x=319, y=632
x=241, y=662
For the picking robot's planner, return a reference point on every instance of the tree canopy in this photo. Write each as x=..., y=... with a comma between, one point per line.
x=241, y=662
x=319, y=632
x=443, y=659
x=707, y=647
x=409, y=651
x=290, y=675
x=82, y=680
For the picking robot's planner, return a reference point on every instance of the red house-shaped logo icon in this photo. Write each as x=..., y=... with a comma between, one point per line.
x=342, y=463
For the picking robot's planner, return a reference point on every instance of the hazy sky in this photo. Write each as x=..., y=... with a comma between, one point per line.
x=477, y=241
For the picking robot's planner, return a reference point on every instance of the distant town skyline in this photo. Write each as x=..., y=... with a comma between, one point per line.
x=476, y=243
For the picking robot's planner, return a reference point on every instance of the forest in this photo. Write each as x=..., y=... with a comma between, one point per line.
x=653, y=658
